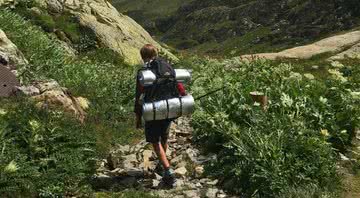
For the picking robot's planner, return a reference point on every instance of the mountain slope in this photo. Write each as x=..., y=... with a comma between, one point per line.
x=87, y=25
x=147, y=12
x=233, y=27
x=346, y=45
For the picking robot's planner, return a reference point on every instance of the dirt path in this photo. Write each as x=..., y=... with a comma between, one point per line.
x=136, y=167
x=336, y=44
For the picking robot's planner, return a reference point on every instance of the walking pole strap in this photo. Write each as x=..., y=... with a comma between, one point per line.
x=210, y=93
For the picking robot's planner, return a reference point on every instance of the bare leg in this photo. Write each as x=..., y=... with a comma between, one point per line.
x=161, y=154
x=165, y=145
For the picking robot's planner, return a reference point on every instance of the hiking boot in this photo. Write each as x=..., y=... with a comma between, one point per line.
x=169, y=178
x=159, y=168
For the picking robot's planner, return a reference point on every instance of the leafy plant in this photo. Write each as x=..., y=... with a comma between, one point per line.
x=291, y=144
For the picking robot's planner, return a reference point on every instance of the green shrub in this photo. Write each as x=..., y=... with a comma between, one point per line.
x=264, y=154
x=48, y=154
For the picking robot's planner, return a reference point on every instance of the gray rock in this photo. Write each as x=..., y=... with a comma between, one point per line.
x=35, y=11
x=9, y=53
x=212, y=183
x=199, y=171
x=192, y=153
x=180, y=172
x=179, y=196
x=211, y=192
x=179, y=184
x=155, y=183
x=176, y=160
x=181, y=164
x=123, y=149
x=27, y=90
x=221, y=195
x=54, y=6
x=157, y=176
x=134, y=172
x=127, y=164
x=191, y=186
x=116, y=171
x=46, y=86
x=191, y=194
x=130, y=158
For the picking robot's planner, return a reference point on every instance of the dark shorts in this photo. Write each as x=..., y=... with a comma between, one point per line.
x=157, y=131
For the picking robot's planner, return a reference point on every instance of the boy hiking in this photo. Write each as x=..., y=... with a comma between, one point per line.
x=157, y=131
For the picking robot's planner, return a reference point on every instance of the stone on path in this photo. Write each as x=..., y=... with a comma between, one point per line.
x=147, y=154
x=211, y=192
x=191, y=194
x=181, y=172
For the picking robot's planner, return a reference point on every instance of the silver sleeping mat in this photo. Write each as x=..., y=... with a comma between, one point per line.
x=167, y=109
x=147, y=77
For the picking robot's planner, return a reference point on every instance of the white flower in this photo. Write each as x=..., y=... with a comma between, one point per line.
x=355, y=95
x=337, y=64
x=2, y=112
x=325, y=132
x=323, y=100
x=309, y=76
x=286, y=100
x=337, y=75
x=11, y=167
x=295, y=76
x=35, y=125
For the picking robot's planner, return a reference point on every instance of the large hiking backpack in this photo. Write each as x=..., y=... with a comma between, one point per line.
x=162, y=99
x=165, y=85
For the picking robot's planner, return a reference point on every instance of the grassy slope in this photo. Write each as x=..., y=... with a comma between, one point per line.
x=109, y=118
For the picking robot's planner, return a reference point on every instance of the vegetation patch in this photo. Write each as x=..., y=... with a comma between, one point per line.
x=290, y=147
x=57, y=157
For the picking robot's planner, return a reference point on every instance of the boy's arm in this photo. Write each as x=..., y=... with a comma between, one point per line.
x=137, y=107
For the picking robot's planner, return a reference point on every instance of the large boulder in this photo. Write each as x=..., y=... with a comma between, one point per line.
x=10, y=55
x=112, y=29
x=50, y=95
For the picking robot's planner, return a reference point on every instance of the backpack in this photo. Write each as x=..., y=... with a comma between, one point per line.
x=165, y=85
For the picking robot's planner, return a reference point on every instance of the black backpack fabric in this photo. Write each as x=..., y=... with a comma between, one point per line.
x=165, y=86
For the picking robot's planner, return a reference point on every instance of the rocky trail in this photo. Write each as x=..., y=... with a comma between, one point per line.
x=136, y=167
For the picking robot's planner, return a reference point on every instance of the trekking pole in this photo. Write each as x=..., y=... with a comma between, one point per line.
x=210, y=93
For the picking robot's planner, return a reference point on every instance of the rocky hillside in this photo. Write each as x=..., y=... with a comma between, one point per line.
x=336, y=48
x=147, y=12
x=234, y=27
x=87, y=25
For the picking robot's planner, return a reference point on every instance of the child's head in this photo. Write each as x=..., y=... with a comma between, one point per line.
x=148, y=52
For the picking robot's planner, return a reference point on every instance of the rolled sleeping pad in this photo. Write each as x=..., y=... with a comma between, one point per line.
x=147, y=77
x=182, y=75
x=170, y=108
